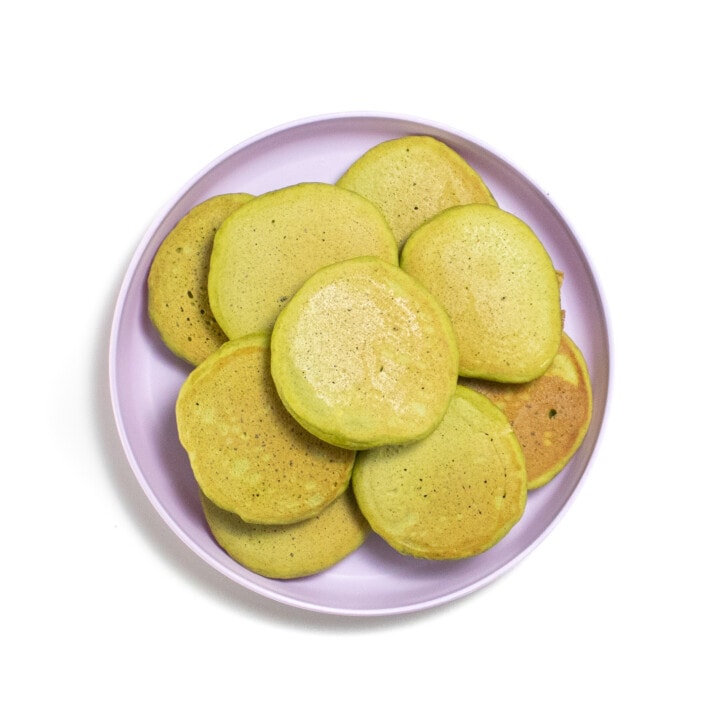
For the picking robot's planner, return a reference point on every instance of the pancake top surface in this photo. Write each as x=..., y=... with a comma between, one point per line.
x=413, y=178
x=266, y=250
x=497, y=282
x=550, y=415
x=290, y=551
x=247, y=453
x=178, y=302
x=452, y=495
x=363, y=355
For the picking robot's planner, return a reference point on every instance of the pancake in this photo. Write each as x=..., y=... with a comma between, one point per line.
x=452, y=495
x=550, y=415
x=290, y=551
x=413, y=178
x=177, y=283
x=266, y=250
x=363, y=355
x=497, y=283
x=247, y=453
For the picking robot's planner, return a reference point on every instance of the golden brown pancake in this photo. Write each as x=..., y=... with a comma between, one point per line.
x=550, y=415
x=363, y=355
x=247, y=453
x=266, y=250
x=290, y=551
x=413, y=178
x=177, y=283
x=452, y=495
x=497, y=283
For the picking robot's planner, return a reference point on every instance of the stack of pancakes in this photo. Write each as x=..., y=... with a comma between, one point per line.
x=386, y=353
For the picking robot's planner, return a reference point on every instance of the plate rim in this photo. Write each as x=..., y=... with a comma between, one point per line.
x=132, y=268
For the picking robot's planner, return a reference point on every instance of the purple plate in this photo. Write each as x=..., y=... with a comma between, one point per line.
x=145, y=377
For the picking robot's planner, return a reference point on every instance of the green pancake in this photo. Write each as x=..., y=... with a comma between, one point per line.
x=363, y=355
x=178, y=302
x=265, y=251
x=496, y=281
x=290, y=551
x=452, y=495
x=247, y=453
x=550, y=415
x=413, y=178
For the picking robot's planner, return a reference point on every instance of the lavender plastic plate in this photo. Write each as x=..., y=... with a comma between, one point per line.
x=145, y=377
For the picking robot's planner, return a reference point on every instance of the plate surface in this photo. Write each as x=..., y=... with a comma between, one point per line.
x=145, y=377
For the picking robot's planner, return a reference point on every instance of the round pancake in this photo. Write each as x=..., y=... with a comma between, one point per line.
x=452, y=495
x=290, y=551
x=363, y=355
x=550, y=415
x=247, y=453
x=497, y=283
x=177, y=282
x=266, y=250
x=413, y=178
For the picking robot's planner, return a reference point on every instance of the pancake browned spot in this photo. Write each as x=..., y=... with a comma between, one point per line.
x=247, y=453
x=550, y=415
x=177, y=283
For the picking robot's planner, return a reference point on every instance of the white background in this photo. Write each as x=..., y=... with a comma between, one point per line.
x=109, y=109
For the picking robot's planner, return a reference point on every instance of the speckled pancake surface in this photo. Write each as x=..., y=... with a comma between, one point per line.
x=497, y=282
x=290, y=551
x=178, y=302
x=266, y=250
x=363, y=355
x=550, y=415
x=247, y=453
x=452, y=495
x=413, y=178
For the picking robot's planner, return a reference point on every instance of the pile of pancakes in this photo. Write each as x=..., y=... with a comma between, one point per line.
x=385, y=353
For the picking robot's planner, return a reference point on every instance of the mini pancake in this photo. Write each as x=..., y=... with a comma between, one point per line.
x=363, y=355
x=452, y=495
x=177, y=283
x=247, y=453
x=413, y=178
x=266, y=250
x=550, y=415
x=290, y=551
x=497, y=283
